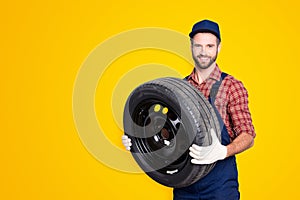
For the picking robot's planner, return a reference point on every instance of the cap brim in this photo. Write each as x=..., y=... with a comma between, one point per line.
x=193, y=33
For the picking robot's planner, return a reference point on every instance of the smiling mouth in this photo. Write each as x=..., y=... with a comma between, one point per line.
x=203, y=59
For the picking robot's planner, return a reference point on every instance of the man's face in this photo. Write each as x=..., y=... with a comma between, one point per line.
x=205, y=49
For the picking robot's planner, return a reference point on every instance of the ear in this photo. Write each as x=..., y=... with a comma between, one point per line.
x=219, y=47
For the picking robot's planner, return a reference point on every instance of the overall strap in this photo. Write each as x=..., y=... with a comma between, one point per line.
x=215, y=88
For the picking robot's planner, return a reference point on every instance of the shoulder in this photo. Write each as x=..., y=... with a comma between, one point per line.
x=236, y=87
x=232, y=81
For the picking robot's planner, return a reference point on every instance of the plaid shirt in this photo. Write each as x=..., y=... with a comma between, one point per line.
x=231, y=102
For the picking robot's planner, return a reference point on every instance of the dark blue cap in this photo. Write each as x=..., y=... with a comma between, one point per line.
x=206, y=26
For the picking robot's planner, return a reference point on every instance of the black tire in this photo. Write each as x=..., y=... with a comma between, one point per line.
x=163, y=118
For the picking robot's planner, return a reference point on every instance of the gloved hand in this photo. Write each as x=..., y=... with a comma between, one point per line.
x=208, y=154
x=126, y=142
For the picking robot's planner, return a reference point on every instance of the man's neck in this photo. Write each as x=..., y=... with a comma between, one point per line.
x=203, y=74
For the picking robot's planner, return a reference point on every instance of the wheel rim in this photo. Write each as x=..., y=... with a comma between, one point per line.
x=163, y=123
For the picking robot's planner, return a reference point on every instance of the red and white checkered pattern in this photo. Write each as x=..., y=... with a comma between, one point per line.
x=231, y=102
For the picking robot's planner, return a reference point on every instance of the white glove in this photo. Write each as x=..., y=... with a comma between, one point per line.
x=208, y=154
x=126, y=142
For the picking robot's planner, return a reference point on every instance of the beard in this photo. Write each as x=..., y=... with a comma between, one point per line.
x=204, y=64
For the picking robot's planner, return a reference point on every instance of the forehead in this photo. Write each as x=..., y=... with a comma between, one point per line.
x=205, y=38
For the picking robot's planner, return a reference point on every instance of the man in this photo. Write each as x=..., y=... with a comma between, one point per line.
x=229, y=98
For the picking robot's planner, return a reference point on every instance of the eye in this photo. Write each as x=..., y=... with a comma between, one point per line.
x=210, y=46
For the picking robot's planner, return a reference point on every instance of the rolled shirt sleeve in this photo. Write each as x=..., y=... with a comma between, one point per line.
x=238, y=109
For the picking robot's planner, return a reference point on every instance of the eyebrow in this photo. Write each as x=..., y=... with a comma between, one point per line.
x=209, y=44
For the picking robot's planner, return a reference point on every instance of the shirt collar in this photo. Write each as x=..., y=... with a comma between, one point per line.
x=214, y=75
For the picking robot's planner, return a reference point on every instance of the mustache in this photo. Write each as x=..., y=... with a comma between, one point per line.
x=201, y=56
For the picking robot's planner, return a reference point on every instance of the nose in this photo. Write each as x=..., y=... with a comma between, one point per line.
x=203, y=51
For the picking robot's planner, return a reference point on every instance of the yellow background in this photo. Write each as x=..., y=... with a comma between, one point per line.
x=44, y=43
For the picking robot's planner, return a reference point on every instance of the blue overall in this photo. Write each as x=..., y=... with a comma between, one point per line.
x=221, y=183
